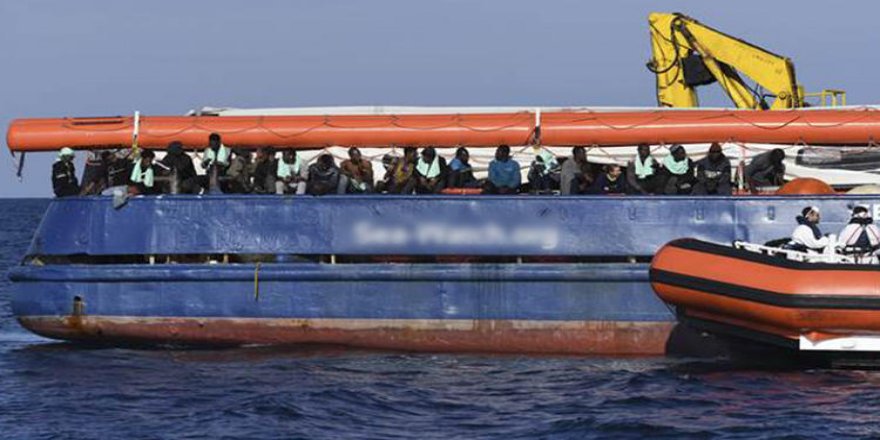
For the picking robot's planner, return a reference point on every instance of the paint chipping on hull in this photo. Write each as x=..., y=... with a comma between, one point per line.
x=490, y=336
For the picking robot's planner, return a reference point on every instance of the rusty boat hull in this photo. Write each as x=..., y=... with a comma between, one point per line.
x=517, y=308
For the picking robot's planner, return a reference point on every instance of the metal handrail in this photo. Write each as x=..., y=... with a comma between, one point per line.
x=794, y=255
x=837, y=97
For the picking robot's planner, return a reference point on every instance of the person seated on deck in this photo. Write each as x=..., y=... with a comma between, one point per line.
x=403, y=175
x=610, y=181
x=324, y=177
x=860, y=235
x=766, y=169
x=64, y=181
x=94, y=179
x=461, y=174
x=643, y=173
x=574, y=168
x=504, y=173
x=713, y=173
x=265, y=170
x=582, y=183
x=184, y=179
x=807, y=237
x=430, y=172
x=142, y=179
x=119, y=168
x=359, y=172
x=678, y=172
x=291, y=174
x=239, y=173
x=389, y=162
x=543, y=171
x=215, y=159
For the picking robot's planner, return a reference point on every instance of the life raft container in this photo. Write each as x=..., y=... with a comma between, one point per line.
x=858, y=126
x=770, y=298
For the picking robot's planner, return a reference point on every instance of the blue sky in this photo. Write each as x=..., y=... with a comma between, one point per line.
x=89, y=58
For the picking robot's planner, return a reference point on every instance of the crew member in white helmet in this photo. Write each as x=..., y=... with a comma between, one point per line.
x=806, y=236
x=860, y=234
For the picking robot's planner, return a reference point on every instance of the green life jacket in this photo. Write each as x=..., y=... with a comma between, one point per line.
x=142, y=176
x=431, y=170
x=286, y=170
x=644, y=169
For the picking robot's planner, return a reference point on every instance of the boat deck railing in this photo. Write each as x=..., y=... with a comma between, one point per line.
x=805, y=257
x=328, y=259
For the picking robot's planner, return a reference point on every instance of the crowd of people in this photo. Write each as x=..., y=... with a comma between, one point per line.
x=260, y=171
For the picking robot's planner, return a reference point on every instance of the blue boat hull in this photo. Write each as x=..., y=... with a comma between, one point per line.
x=537, y=308
x=490, y=274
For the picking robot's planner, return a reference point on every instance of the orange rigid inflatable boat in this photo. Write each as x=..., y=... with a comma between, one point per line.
x=852, y=126
x=799, y=305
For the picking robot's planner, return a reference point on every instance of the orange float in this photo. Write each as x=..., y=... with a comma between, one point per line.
x=279, y=131
x=662, y=126
x=806, y=186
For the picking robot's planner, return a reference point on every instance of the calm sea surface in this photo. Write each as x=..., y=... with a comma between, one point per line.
x=53, y=390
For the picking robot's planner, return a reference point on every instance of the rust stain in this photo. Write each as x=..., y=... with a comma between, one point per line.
x=488, y=336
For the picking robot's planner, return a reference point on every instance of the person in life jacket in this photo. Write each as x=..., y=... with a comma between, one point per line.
x=431, y=172
x=215, y=160
x=215, y=153
x=291, y=174
x=679, y=172
x=143, y=178
x=860, y=235
x=807, y=237
x=64, y=182
x=642, y=173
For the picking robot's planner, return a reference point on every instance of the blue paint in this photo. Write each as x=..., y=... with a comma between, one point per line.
x=411, y=225
x=616, y=227
x=569, y=292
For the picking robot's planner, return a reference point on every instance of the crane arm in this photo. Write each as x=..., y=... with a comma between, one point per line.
x=677, y=38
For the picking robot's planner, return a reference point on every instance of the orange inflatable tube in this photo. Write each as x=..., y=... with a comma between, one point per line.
x=279, y=131
x=832, y=127
x=829, y=127
x=766, y=294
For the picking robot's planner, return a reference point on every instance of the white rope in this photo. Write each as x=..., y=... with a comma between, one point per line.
x=135, y=131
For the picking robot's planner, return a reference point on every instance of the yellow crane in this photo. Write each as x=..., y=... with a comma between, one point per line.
x=688, y=54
